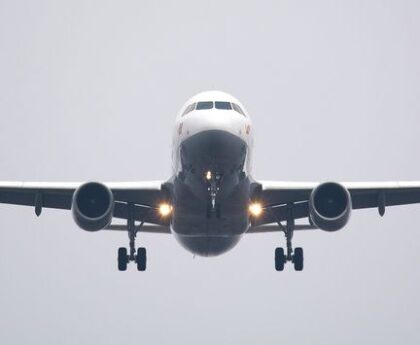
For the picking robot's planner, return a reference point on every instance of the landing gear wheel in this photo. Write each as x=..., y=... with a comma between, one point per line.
x=141, y=259
x=279, y=259
x=122, y=259
x=296, y=255
x=298, y=259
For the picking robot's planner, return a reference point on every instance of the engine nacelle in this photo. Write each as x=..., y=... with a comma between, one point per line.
x=93, y=206
x=330, y=206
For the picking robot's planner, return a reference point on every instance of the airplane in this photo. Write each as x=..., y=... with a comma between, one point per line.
x=211, y=200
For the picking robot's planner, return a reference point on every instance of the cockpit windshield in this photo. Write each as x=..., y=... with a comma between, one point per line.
x=238, y=109
x=223, y=105
x=204, y=105
x=189, y=109
x=210, y=105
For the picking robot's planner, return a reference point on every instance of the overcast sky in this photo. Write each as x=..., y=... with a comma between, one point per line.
x=89, y=90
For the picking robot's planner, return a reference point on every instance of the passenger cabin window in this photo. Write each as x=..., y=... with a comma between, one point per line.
x=223, y=105
x=189, y=109
x=238, y=109
x=204, y=105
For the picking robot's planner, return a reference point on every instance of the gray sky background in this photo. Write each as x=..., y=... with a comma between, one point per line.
x=89, y=91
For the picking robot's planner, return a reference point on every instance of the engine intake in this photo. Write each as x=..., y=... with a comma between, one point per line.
x=93, y=206
x=330, y=206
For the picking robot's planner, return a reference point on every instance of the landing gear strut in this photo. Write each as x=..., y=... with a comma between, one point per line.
x=213, y=180
x=140, y=257
x=213, y=185
x=293, y=255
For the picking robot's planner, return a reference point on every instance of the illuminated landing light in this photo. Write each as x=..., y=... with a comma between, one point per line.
x=208, y=175
x=165, y=210
x=255, y=209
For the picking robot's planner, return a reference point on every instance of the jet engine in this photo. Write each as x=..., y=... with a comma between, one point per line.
x=330, y=206
x=93, y=206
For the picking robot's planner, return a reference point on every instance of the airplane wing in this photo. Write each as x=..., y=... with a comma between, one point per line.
x=143, y=195
x=278, y=196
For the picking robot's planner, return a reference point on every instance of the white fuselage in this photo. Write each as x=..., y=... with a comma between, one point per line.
x=211, y=156
x=197, y=121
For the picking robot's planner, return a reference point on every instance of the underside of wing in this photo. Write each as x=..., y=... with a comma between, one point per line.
x=147, y=228
x=274, y=227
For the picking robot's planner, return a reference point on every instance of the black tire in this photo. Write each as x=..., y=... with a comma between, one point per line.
x=279, y=259
x=298, y=259
x=141, y=259
x=122, y=259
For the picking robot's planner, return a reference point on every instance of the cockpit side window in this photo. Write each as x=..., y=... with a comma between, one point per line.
x=189, y=109
x=238, y=109
x=204, y=105
x=223, y=105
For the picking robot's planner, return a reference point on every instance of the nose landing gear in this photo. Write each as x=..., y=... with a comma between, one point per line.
x=213, y=180
x=140, y=257
x=213, y=185
x=293, y=255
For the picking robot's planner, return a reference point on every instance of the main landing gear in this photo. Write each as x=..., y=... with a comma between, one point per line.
x=293, y=255
x=138, y=257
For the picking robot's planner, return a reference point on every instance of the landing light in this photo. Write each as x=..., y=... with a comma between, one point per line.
x=165, y=210
x=208, y=175
x=255, y=209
